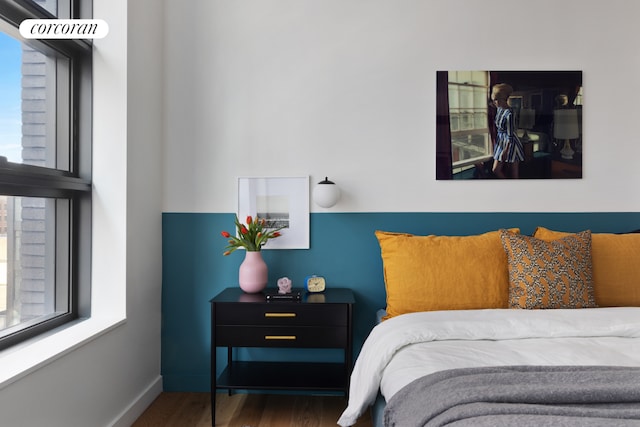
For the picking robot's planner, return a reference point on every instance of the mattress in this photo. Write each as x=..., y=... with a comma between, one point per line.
x=405, y=348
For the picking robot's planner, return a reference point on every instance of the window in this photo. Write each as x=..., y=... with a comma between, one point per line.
x=468, y=95
x=45, y=173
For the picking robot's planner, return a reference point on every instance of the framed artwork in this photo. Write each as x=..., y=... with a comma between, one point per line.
x=282, y=202
x=535, y=132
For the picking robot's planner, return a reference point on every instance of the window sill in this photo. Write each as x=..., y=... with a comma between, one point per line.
x=20, y=360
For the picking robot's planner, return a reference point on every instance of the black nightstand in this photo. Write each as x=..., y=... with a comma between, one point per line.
x=322, y=320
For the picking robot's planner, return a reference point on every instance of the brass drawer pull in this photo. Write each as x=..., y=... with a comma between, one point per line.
x=280, y=337
x=279, y=315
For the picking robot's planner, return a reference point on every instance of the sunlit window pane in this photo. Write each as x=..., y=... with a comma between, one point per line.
x=466, y=97
x=468, y=117
x=470, y=147
x=479, y=78
x=455, y=122
x=27, y=261
x=467, y=121
x=480, y=99
x=453, y=97
x=464, y=77
x=10, y=101
x=480, y=119
x=29, y=79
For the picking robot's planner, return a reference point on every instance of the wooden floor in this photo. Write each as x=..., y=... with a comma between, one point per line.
x=245, y=410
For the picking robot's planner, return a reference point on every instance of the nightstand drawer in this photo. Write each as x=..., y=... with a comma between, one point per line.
x=281, y=336
x=287, y=314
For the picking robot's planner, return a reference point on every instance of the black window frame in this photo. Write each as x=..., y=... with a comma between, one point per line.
x=71, y=186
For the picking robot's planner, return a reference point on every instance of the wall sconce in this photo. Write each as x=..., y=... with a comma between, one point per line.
x=326, y=193
x=565, y=126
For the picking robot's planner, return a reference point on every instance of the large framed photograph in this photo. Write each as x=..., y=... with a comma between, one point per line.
x=282, y=202
x=509, y=125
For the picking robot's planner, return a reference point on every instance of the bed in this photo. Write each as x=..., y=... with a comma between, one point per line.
x=445, y=359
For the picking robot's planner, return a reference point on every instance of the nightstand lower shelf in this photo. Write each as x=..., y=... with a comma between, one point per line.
x=283, y=376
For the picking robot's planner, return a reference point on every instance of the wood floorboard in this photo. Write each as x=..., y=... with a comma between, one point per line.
x=276, y=418
x=245, y=410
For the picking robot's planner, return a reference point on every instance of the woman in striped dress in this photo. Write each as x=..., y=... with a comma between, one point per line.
x=508, y=148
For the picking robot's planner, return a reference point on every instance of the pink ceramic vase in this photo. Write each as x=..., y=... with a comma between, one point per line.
x=253, y=274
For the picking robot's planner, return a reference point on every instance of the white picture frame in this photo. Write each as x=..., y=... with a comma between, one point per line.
x=281, y=200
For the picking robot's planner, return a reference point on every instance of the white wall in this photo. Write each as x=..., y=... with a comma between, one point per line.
x=346, y=88
x=110, y=378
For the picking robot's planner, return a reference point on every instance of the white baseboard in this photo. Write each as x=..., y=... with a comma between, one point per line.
x=138, y=406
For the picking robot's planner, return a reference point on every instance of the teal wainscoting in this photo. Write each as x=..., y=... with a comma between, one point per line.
x=343, y=249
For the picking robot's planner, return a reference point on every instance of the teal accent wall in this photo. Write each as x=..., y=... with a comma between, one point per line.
x=343, y=249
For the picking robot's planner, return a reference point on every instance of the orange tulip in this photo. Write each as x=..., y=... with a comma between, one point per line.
x=225, y=234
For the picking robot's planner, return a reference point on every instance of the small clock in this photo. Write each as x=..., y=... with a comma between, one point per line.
x=315, y=283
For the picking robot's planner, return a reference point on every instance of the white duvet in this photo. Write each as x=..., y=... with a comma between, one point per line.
x=407, y=347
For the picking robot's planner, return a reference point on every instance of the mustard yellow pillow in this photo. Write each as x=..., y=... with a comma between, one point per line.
x=549, y=274
x=616, y=266
x=426, y=273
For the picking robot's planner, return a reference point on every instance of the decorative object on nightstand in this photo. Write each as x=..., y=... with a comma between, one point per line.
x=565, y=127
x=284, y=285
x=315, y=283
x=278, y=297
x=326, y=193
x=253, y=273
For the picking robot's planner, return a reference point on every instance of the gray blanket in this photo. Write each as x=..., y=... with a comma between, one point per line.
x=520, y=396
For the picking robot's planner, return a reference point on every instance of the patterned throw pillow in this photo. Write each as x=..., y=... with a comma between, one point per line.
x=549, y=274
x=616, y=270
